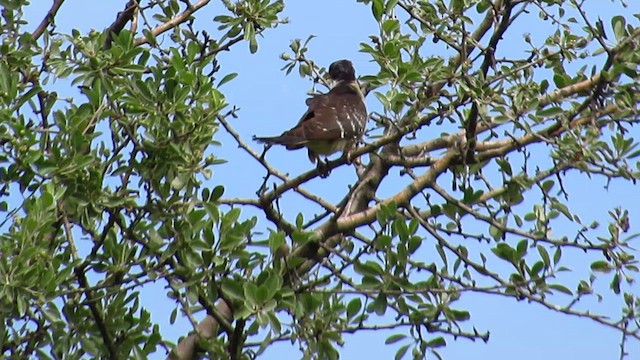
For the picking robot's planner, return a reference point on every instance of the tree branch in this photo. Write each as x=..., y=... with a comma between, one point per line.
x=48, y=19
x=121, y=21
x=173, y=22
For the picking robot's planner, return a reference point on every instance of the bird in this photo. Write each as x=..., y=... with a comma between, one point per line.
x=333, y=122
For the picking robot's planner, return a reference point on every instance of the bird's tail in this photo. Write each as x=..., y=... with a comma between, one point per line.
x=291, y=142
x=269, y=140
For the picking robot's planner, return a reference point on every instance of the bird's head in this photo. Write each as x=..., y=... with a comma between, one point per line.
x=342, y=70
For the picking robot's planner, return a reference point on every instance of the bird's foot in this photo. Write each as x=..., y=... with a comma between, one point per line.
x=353, y=159
x=323, y=168
x=350, y=155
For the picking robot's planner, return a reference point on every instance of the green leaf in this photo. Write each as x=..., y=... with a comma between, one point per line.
x=354, y=307
x=250, y=291
x=27, y=96
x=383, y=241
x=436, y=342
x=213, y=212
x=618, y=23
x=390, y=5
x=559, y=80
x=414, y=244
x=557, y=255
x=262, y=294
x=551, y=111
x=561, y=288
x=536, y=268
x=459, y=315
x=216, y=193
x=395, y=338
x=379, y=305
x=402, y=351
x=562, y=208
x=253, y=45
x=299, y=221
x=505, y=167
x=148, y=34
x=377, y=7
x=495, y=232
x=413, y=226
x=243, y=313
x=601, y=266
x=584, y=288
x=456, y=6
x=544, y=255
x=227, y=78
x=276, y=240
x=390, y=26
x=310, y=301
x=615, y=284
x=368, y=268
x=177, y=61
x=518, y=220
x=173, y=316
x=401, y=228
x=504, y=252
x=547, y=185
x=232, y=216
x=483, y=6
x=522, y=247
x=232, y=288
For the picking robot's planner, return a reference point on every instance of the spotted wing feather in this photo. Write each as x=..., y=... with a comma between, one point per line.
x=339, y=114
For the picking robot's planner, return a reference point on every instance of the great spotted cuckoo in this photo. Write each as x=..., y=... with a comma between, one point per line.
x=334, y=121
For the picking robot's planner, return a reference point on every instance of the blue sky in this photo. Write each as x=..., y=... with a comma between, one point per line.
x=271, y=102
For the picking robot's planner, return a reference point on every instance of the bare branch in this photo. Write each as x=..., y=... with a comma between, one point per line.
x=48, y=19
x=121, y=21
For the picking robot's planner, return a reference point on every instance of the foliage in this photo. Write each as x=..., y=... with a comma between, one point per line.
x=111, y=190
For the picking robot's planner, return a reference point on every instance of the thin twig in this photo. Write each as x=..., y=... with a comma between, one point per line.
x=271, y=170
x=173, y=22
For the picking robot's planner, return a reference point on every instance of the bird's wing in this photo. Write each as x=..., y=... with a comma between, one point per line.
x=335, y=115
x=339, y=114
x=314, y=103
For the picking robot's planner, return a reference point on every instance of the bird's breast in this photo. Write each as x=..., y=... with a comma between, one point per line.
x=327, y=147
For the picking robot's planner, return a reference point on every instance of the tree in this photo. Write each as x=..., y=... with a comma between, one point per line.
x=114, y=189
